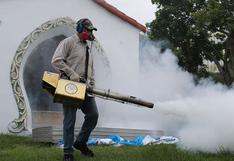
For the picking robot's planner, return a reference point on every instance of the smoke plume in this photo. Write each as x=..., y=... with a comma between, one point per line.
x=200, y=115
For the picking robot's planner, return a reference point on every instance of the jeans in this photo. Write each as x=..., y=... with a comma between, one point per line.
x=89, y=108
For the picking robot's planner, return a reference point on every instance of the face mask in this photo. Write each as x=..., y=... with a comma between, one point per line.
x=87, y=36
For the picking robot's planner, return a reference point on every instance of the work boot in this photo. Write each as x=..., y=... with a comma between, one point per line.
x=68, y=157
x=83, y=149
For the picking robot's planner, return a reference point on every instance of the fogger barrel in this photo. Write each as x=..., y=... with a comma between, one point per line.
x=107, y=94
x=66, y=91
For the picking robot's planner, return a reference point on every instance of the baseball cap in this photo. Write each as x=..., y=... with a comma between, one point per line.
x=88, y=25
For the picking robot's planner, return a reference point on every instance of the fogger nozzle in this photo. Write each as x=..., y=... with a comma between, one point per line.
x=107, y=94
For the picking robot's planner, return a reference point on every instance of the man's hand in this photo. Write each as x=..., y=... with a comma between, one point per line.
x=75, y=77
x=82, y=80
x=91, y=84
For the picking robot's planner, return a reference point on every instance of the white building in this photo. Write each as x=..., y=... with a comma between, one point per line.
x=30, y=31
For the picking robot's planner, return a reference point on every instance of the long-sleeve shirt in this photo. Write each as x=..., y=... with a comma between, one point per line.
x=70, y=57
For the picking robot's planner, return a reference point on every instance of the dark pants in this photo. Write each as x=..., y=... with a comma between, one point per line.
x=89, y=108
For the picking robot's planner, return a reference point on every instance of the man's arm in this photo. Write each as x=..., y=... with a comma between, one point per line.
x=59, y=60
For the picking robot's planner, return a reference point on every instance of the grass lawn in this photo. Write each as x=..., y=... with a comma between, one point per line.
x=18, y=148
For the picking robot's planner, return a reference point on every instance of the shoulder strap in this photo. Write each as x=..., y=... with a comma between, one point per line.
x=86, y=63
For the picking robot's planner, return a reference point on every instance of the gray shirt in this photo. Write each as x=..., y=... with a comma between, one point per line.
x=70, y=57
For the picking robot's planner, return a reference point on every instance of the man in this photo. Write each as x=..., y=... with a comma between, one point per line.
x=73, y=61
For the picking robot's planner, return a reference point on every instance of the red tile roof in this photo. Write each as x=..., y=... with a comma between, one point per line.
x=120, y=14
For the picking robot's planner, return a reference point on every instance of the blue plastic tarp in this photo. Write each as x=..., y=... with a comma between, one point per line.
x=137, y=141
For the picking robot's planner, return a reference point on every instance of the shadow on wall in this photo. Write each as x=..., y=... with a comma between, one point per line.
x=38, y=62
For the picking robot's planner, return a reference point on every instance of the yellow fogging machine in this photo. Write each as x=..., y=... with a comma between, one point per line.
x=74, y=92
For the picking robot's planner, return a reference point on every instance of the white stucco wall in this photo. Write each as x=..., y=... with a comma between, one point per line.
x=18, y=18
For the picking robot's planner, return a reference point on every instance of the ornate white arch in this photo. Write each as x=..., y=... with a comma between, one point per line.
x=20, y=124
